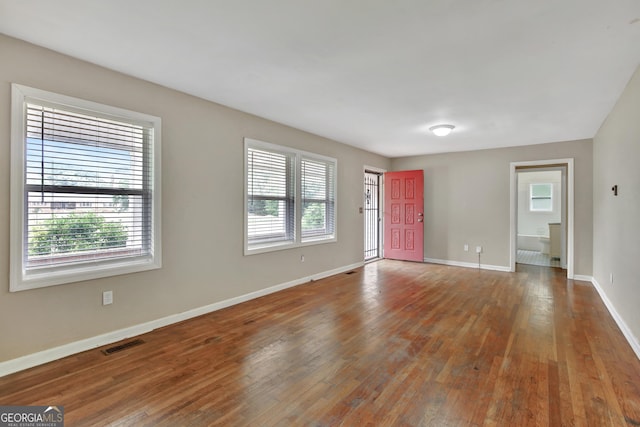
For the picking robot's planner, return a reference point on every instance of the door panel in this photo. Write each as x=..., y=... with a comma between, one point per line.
x=404, y=215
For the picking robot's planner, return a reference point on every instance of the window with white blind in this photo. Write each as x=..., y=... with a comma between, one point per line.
x=318, y=211
x=290, y=197
x=271, y=199
x=85, y=190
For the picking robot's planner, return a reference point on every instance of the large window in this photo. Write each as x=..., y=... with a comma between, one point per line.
x=290, y=197
x=541, y=197
x=85, y=190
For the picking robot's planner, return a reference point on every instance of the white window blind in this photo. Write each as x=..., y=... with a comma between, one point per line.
x=318, y=212
x=290, y=197
x=270, y=197
x=87, y=183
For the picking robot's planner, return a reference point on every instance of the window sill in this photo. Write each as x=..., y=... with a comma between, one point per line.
x=288, y=245
x=51, y=276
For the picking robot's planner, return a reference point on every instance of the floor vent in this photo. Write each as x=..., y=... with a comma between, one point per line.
x=124, y=346
x=350, y=272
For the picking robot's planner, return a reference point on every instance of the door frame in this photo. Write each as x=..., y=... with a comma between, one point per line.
x=513, y=232
x=381, y=171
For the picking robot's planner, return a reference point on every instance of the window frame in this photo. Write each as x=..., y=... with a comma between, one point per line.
x=532, y=197
x=298, y=240
x=22, y=278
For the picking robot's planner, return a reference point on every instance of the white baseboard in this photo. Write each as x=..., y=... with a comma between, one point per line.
x=467, y=264
x=49, y=355
x=631, y=339
x=582, y=278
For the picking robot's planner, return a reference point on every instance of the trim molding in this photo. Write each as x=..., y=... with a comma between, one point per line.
x=467, y=264
x=631, y=339
x=49, y=355
x=583, y=278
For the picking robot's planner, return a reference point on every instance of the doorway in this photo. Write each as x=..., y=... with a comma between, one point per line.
x=372, y=215
x=541, y=220
x=538, y=198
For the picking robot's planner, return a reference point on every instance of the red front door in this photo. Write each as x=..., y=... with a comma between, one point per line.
x=404, y=215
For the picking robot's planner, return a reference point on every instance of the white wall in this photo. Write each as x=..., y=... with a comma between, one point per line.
x=467, y=200
x=202, y=195
x=535, y=223
x=616, y=219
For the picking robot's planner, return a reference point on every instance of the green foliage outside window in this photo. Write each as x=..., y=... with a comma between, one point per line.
x=77, y=233
x=313, y=216
x=264, y=207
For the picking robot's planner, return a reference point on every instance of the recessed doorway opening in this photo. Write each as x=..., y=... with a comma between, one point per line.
x=539, y=200
x=541, y=221
x=372, y=215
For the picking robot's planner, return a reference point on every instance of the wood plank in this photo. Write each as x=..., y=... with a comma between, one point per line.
x=395, y=343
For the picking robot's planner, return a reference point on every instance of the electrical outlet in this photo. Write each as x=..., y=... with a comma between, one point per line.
x=611, y=278
x=107, y=297
x=478, y=249
x=301, y=258
x=466, y=248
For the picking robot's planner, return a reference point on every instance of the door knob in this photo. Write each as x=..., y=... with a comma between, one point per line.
x=419, y=219
x=420, y=214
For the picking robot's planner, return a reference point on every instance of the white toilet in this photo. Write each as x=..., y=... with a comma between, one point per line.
x=544, y=243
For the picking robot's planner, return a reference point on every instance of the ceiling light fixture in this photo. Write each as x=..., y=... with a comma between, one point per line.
x=441, y=130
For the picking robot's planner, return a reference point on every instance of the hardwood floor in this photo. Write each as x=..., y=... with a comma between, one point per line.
x=393, y=343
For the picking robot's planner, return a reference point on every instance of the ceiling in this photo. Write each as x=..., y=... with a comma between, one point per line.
x=375, y=74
